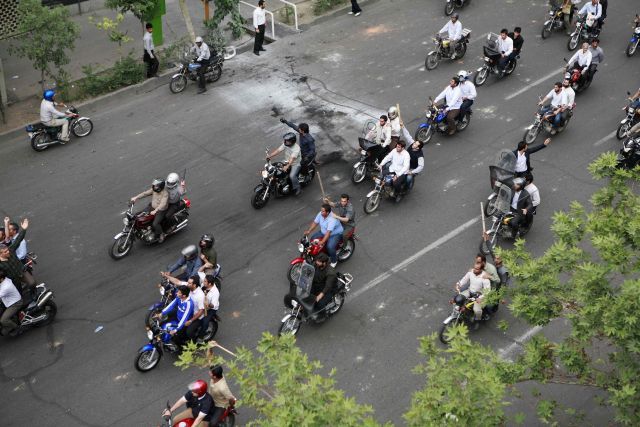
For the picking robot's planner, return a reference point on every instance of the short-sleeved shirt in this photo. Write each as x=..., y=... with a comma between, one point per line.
x=197, y=297
x=213, y=298
x=330, y=223
x=289, y=152
x=202, y=404
x=211, y=255
x=348, y=212
x=220, y=393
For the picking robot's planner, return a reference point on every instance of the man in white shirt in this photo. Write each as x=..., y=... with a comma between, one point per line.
x=555, y=107
x=201, y=49
x=453, y=28
x=292, y=159
x=568, y=100
x=399, y=164
x=467, y=91
x=259, y=24
x=532, y=190
x=394, y=125
x=475, y=283
x=581, y=59
x=381, y=135
x=12, y=300
x=49, y=116
x=592, y=7
x=211, y=302
x=149, y=56
x=453, y=100
x=504, y=45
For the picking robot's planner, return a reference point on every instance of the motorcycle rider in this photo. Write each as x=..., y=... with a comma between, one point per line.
x=453, y=28
x=568, y=102
x=381, y=135
x=176, y=188
x=12, y=302
x=211, y=302
x=200, y=406
x=325, y=282
x=474, y=283
x=330, y=233
x=307, y=143
x=523, y=153
x=183, y=307
x=505, y=47
x=597, y=57
x=292, y=159
x=503, y=272
x=203, y=55
x=452, y=97
x=551, y=111
x=191, y=262
x=594, y=9
x=196, y=294
x=399, y=161
x=416, y=158
x=521, y=206
x=157, y=207
x=532, y=190
x=208, y=254
x=11, y=264
x=343, y=212
x=467, y=91
x=221, y=394
x=51, y=117
x=580, y=60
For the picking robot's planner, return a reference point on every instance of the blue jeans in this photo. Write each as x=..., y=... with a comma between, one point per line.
x=332, y=244
x=409, y=180
x=556, y=120
x=293, y=176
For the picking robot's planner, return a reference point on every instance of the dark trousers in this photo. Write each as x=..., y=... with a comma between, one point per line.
x=152, y=63
x=171, y=210
x=193, y=329
x=466, y=106
x=257, y=45
x=451, y=120
x=326, y=299
x=216, y=414
x=592, y=71
x=519, y=220
x=397, y=184
x=305, y=162
x=7, y=324
x=201, y=81
x=211, y=314
x=355, y=8
x=502, y=62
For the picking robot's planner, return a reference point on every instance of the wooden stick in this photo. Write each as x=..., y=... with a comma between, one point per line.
x=484, y=226
x=215, y=344
x=321, y=186
x=399, y=115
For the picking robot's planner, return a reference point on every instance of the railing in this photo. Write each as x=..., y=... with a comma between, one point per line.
x=273, y=26
x=295, y=12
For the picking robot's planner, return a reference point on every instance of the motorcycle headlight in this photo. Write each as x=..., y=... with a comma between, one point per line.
x=180, y=66
x=363, y=152
x=150, y=334
x=265, y=174
x=161, y=290
x=637, y=30
x=428, y=114
x=631, y=110
x=125, y=220
x=300, y=247
x=551, y=13
x=377, y=180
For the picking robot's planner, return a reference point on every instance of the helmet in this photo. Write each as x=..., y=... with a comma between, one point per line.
x=158, y=185
x=172, y=180
x=190, y=251
x=459, y=300
x=198, y=387
x=392, y=113
x=206, y=240
x=518, y=181
x=198, y=39
x=463, y=75
x=289, y=139
x=48, y=94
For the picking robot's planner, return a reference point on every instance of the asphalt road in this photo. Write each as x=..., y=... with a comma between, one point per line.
x=333, y=76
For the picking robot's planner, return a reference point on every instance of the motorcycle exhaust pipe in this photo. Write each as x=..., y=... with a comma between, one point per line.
x=45, y=298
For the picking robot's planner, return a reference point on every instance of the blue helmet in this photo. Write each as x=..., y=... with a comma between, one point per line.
x=49, y=94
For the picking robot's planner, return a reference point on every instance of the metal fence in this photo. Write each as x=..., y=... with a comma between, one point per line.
x=8, y=18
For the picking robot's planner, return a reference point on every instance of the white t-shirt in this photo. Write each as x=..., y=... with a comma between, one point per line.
x=9, y=293
x=289, y=152
x=556, y=98
x=535, y=194
x=197, y=297
x=213, y=297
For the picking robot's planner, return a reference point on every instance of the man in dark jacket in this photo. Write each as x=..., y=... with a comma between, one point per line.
x=521, y=206
x=9, y=262
x=325, y=282
x=523, y=152
x=307, y=143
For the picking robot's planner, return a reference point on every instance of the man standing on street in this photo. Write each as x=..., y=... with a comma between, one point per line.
x=259, y=21
x=355, y=8
x=149, y=52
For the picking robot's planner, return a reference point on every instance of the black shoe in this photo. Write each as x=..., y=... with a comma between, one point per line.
x=256, y=53
x=297, y=192
x=202, y=91
x=263, y=49
x=161, y=238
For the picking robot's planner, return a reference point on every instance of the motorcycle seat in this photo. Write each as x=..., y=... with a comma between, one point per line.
x=36, y=126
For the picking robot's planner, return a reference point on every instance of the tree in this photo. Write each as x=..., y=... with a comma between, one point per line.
x=141, y=9
x=112, y=28
x=283, y=385
x=224, y=8
x=46, y=35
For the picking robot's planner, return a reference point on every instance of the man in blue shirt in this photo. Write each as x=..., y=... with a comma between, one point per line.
x=330, y=231
x=184, y=309
x=190, y=261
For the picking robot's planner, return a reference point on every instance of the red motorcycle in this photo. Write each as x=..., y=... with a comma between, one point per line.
x=139, y=226
x=577, y=80
x=228, y=419
x=309, y=249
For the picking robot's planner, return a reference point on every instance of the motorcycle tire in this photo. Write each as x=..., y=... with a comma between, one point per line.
x=38, y=140
x=449, y=7
x=359, y=174
x=372, y=203
x=462, y=49
x=82, y=127
x=621, y=133
x=511, y=67
x=309, y=178
x=293, y=274
x=442, y=333
x=346, y=251
x=424, y=135
x=524, y=230
x=290, y=326
x=490, y=207
x=210, y=332
x=486, y=247
x=145, y=362
x=178, y=84
x=432, y=61
x=117, y=252
x=339, y=302
x=229, y=52
x=572, y=44
x=148, y=318
x=51, y=309
x=257, y=201
x=530, y=135
x=481, y=76
x=215, y=74
x=464, y=123
x=229, y=421
x=546, y=30
x=631, y=49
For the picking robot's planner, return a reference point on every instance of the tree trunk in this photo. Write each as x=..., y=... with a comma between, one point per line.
x=187, y=18
x=42, y=80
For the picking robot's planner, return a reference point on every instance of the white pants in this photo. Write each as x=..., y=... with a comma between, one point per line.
x=60, y=122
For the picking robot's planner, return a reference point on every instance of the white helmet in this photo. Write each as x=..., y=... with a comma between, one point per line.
x=172, y=180
x=392, y=113
x=463, y=75
x=198, y=39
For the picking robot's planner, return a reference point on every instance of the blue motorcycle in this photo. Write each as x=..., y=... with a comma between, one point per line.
x=159, y=341
x=635, y=39
x=436, y=122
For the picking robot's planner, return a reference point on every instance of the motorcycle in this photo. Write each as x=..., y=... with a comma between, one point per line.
x=39, y=309
x=228, y=419
x=462, y=313
x=309, y=249
x=383, y=189
x=503, y=172
x=541, y=123
x=139, y=226
x=554, y=22
x=275, y=182
x=43, y=136
x=188, y=70
x=443, y=49
x=451, y=5
x=631, y=119
x=586, y=30
x=578, y=81
x=501, y=218
x=436, y=121
x=299, y=308
x=491, y=62
x=635, y=38
x=629, y=156
x=160, y=341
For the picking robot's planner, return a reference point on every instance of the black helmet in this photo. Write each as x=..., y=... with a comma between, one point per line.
x=289, y=139
x=459, y=300
x=158, y=185
x=206, y=240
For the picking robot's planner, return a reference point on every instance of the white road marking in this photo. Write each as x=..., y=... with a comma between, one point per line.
x=413, y=258
x=530, y=85
x=508, y=351
x=605, y=139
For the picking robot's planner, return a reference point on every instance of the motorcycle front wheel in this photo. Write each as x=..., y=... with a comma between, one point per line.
x=372, y=203
x=442, y=333
x=259, y=199
x=293, y=274
x=290, y=326
x=546, y=30
x=215, y=74
x=82, y=127
x=631, y=49
x=424, y=134
x=121, y=247
x=449, y=7
x=530, y=135
x=178, y=84
x=490, y=207
x=348, y=247
x=432, y=61
x=148, y=318
x=359, y=174
x=147, y=360
x=481, y=76
x=39, y=141
x=572, y=44
x=487, y=246
x=621, y=133
x=50, y=309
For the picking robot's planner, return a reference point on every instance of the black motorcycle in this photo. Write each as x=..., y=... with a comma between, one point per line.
x=556, y=21
x=491, y=62
x=629, y=156
x=462, y=313
x=188, y=70
x=38, y=309
x=586, y=30
x=367, y=165
x=275, y=182
x=631, y=118
x=451, y=5
x=42, y=136
x=443, y=49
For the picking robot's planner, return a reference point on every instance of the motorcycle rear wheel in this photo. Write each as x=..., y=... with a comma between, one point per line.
x=145, y=361
x=449, y=7
x=511, y=67
x=38, y=140
x=51, y=309
x=257, y=201
x=424, y=134
x=481, y=76
x=432, y=61
x=117, y=251
x=442, y=333
x=339, y=301
x=215, y=74
x=178, y=84
x=631, y=49
x=293, y=274
x=348, y=247
x=210, y=332
x=462, y=124
x=546, y=30
x=309, y=178
x=621, y=133
x=290, y=326
x=359, y=174
x=229, y=421
x=82, y=127
x=461, y=50
x=372, y=203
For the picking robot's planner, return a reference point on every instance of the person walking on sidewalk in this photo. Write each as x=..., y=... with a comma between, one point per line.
x=355, y=8
x=149, y=57
x=259, y=21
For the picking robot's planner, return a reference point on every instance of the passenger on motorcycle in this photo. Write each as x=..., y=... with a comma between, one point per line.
x=343, y=212
x=325, y=282
x=490, y=271
x=475, y=284
x=503, y=272
x=12, y=302
x=330, y=233
x=568, y=102
x=452, y=98
x=416, y=158
x=394, y=125
x=208, y=254
x=11, y=264
x=521, y=206
x=523, y=153
x=552, y=111
x=196, y=294
x=635, y=130
x=399, y=163
x=453, y=28
x=183, y=307
x=307, y=143
x=220, y=393
x=200, y=406
x=533, y=191
x=189, y=260
x=176, y=188
x=518, y=41
x=467, y=91
x=505, y=47
x=158, y=206
x=211, y=302
x=292, y=159
x=203, y=55
x=12, y=234
x=49, y=116
x=597, y=57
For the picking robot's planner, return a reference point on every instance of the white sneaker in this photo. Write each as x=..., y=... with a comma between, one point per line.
x=358, y=14
x=333, y=264
x=350, y=13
